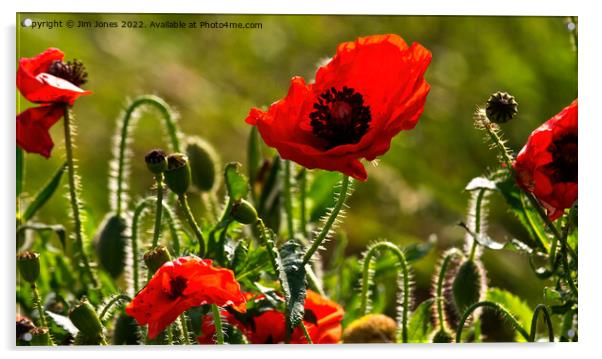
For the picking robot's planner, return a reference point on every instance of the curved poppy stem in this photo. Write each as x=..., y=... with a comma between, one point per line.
x=158, y=209
x=330, y=221
x=111, y=303
x=441, y=278
x=367, y=275
x=477, y=223
x=76, y=203
x=496, y=307
x=546, y=314
x=183, y=199
x=217, y=320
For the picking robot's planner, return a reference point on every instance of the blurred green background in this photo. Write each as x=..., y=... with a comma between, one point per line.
x=212, y=77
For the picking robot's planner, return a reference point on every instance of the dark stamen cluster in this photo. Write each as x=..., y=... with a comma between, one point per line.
x=177, y=286
x=564, y=154
x=72, y=71
x=340, y=117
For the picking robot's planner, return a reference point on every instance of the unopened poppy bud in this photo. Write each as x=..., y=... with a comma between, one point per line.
x=371, y=328
x=110, y=243
x=204, y=164
x=243, y=212
x=178, y=174
x=501, y=107
x=29, y=266
x=469, y=285
x=40, y=336
x=156, y=257
x=84, y=317
x=126, y=331
x=156, y=161
x=442, y=336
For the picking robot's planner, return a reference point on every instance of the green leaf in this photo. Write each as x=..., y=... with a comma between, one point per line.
x=41, y=227
x=236, y=182
x=416, y=251
x=479, y=183
x=293, y=283
x=20, y=164
x=321, y=193
x=420, y=327
x=518, y=308
x=44, y=195
x=253, y=155
x=270, y=200
x=63, y=322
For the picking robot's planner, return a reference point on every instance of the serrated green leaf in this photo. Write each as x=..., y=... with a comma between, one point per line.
x=236, y=183
x=44, y=195
x=516, y=306
x=419, y=326
x=293, y=282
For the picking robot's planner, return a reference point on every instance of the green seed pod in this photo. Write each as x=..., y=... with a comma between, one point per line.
x=371, y=328
x=204, y=164
x=442, y=336
x=110, y=242
x=29, y=265
x=40, y=336
x=84, y=317
x=156, y=257
x=126, y=331
x=156, y=161
x=244, y=212
x=178, y=175
x=501, y=107
x=468, y=286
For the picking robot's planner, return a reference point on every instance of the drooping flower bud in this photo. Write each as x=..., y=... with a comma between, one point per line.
x=204, y=164
x=110, y=243
x=29, y=265
x=442, y=336
x=156, y=257
x=244, y=212
x=156, y=161
x=84, y=317
x=469, y=285
x=501, y=107
x=40, y=336
x=178, y=176
x=371, y=328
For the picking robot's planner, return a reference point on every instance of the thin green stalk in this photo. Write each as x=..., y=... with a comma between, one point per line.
x=183, y=199
x=111, y=303
x=305, y=333
x=184, y=329
x=74, y=198
x=171, y=129
x=217, y=320
x=268, y=242
x=302, y=199
x=159, y=209
x=496, y=307
x=441, y=278
x=312, y=280
x=38, y=303
x=288, y=199
x=366, y=279
x=330, y=221
x=477, y=223
x=546, y=314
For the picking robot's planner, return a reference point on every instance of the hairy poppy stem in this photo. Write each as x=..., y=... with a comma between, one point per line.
x=74, y=198
x=159, y=209
x=505, y=314
x=302, y=199
x=217, y=320
x=184, y=329
x=288, y=199
x=183, y=199
x=441, y=278
x=546, y=314
x=330, y=221
x=38, y=303
x=477, y=223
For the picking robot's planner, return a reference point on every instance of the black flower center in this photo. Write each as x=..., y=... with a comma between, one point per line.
x=177, y=286
x=72, y=71
x=564, y=154
x=340, y=117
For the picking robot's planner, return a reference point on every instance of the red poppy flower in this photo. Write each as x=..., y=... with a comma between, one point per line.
x=46, y=79
x=322, y=319
x=371, y=90
x=179, y=285
x=33, y=125
x=547, y=164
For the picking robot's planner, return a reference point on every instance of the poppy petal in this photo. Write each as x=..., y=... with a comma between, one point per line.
x=32, y=128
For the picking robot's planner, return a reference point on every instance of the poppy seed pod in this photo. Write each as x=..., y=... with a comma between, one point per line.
x=501, y=107
x=29, y=266
x=156, y=257
x=110, y=244
x=468, y=286
x=442, y=336
x=243, y=212
x=204, y=164
x=371, y=328
x=156, y=161
x=84, y=317
x=178, y=175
